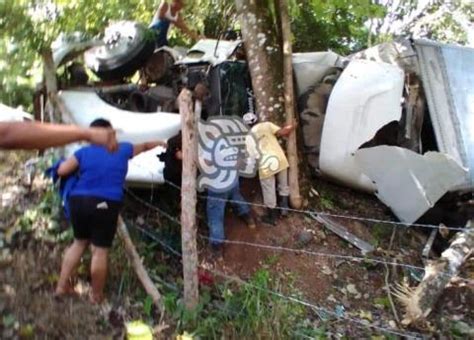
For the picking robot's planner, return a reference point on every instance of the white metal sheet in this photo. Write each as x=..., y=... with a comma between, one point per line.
x=407, y=182
x=9, y=114
x=447, y=73
x=366, y=97
x=310, y=67
x=210, y=51
x=131, y=127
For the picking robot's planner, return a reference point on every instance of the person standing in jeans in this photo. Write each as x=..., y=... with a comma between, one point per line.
x=216, y=203
x=95, y=203
x=263, y=145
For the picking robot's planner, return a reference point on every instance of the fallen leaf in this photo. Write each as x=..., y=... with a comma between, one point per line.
x=367, y=315
x=326, y=270
x=351, y=288
x=26, y=331
x=377, y=337
x=160, y=328
x=184, y=336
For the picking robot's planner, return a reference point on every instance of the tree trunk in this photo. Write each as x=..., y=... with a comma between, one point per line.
x=189, y=123
x=419, y=302
x=138, y=267
x=49, y=74
x=264, y=57
x=60, y=112
x=291, y=147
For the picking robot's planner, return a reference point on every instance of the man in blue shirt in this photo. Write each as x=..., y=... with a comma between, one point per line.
x=95, y=203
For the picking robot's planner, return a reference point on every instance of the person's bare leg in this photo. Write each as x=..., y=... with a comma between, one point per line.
x=71, y=259
x=98, y=273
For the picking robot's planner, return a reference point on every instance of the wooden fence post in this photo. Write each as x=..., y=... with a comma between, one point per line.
x=60, y=111
x=138, y=266
x=189, y=124
x=50, y=82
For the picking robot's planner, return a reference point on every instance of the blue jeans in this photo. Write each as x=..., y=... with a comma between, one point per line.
x=216, y=208
x=160, y=28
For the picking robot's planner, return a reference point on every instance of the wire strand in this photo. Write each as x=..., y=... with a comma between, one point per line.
x=314, y=253
x=357, y=258
x=288, y=298
x=309, y=212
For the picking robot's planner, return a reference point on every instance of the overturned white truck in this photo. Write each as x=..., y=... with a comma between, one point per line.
x=396, y=120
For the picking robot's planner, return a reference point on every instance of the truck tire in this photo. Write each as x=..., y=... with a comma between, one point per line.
x=127, y=47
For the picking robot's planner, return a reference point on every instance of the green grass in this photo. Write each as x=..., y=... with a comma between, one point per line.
x=327, y=203
x=243, y=312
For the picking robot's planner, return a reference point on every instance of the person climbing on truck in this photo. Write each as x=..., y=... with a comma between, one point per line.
x=165, y=15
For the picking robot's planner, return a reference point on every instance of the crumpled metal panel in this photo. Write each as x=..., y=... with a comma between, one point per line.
x=400, y=53
x=310, y=67
x=210, y=51
x=85, y=106
x=366, y=97
x=9, y=114
x=407, y=182
x=447, y=73
x=67, y=46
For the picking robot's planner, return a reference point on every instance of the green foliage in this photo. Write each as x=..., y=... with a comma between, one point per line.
x=43, y=216
x=443, y=21
x=327, y=199
x=247, y=311
x=327, y=203
x=271, y=260
x=28, y=26
x=383, y=302
x=380, y=233
x=147, y=306
x=338, y=25
x=37, y=24
x=8, y=320
x=212, y=17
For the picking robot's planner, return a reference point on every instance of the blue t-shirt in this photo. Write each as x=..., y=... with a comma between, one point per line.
x=102, y=173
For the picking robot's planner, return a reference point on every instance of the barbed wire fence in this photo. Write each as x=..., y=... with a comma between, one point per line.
x=322, y=213
x=318, y=309
x=356, y=259
x=360, y=259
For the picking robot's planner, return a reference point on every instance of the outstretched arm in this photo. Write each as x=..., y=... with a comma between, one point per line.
x=161, y=11
x=35, y=135
x=181, y=24
x=139, y=148
x=286, y=130
x=68, y=166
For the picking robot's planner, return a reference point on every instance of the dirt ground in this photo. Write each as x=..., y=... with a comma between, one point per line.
x=351, y=288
